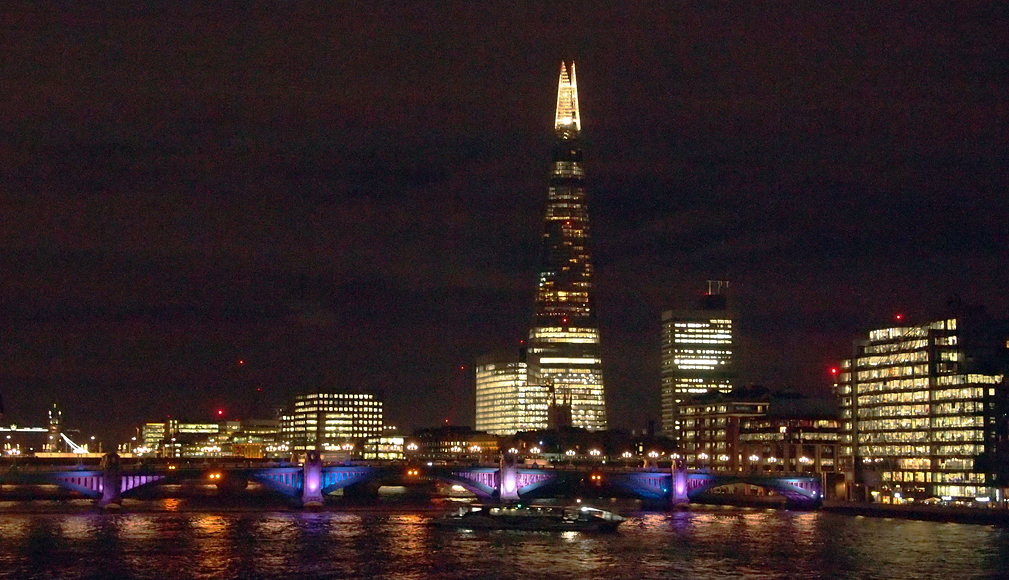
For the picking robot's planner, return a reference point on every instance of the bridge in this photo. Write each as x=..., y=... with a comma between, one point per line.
x=310, y=482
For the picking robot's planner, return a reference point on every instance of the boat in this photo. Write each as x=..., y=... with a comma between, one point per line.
x=532, y=518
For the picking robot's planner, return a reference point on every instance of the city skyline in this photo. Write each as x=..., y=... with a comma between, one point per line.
x=211, y=210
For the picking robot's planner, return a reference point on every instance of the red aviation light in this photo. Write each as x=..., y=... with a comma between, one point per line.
x=899, y=316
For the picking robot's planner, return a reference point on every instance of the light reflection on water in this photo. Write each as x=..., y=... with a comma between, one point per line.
x=402, y=546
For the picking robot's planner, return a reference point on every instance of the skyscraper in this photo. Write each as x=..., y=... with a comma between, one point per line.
x=564, y=340
x=697, y=354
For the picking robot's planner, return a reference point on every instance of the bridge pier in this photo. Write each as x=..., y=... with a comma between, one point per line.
x=112, y=483
x=678, y=485
x=507, y=481
x=311, y=481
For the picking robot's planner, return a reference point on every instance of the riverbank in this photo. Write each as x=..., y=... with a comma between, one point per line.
x=930, y=513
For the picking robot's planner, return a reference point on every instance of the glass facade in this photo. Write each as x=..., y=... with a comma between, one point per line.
x=564, y=341
x=505, y=400
x=913, y=418
x=330, y=421
x=697, y=357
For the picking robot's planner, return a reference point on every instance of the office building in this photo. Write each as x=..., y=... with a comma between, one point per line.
x=564, y=353
x=452, y=443
x=751, y=429
x=506, y=402
x=796, y=435
x=920, y=408
x=256, y=439
x=711, y=424
x=698, y=354
x=331, y=421
x=388, y=447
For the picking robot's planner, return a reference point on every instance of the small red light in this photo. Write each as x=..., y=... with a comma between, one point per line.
x=220, y=412
x=833, y=371
x=899, y=316
x=241, y=361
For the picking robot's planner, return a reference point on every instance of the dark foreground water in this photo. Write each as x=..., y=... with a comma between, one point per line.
x=399, y=544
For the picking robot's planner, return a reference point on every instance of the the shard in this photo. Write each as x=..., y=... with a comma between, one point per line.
x=564, y=354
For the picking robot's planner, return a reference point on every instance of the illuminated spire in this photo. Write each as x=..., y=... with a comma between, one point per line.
x=568, y=122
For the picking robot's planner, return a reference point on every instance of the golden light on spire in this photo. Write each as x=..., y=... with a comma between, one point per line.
x=567, y=119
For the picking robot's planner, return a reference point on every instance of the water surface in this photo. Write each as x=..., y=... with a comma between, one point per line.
x=399, y=544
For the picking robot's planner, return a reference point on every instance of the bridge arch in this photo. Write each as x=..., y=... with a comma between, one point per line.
x=798, y=488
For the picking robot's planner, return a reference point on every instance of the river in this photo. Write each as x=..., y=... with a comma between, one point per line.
x=397, y=543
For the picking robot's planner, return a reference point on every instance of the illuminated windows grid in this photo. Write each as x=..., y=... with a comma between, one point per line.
x=912, y=417
x=324, y=420
x=505, y=401
x=697, y=351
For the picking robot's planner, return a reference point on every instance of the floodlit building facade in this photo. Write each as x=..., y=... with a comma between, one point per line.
x=920, y=408
x=506, y=402
x=698, y=354
x=564, y=352
x=331, y=421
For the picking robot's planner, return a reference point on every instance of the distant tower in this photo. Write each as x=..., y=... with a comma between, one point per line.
x=698, y=353
x=53, y=442
x=564, y=339
x=560, y=409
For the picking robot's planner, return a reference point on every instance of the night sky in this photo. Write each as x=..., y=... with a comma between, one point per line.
x=208, y=207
